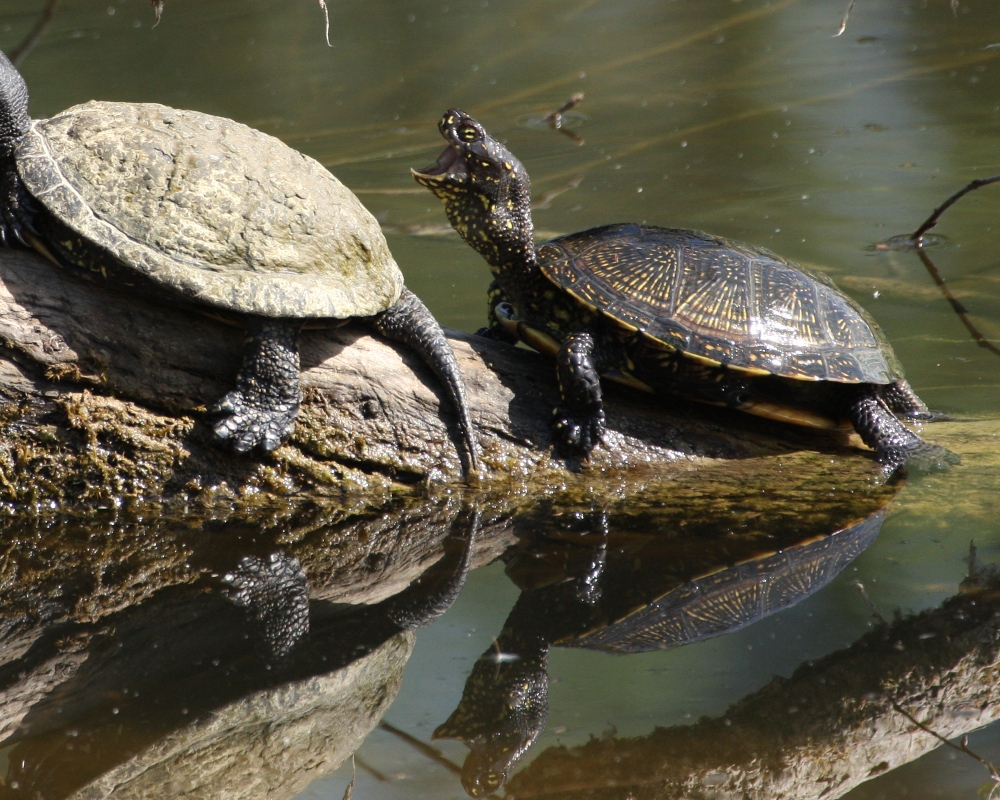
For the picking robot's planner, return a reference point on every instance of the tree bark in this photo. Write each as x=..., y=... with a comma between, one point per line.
x=107, y=393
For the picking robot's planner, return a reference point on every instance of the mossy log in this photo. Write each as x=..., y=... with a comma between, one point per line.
x=106, y=394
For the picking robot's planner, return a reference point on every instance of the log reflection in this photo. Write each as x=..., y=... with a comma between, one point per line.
x=829, y=727
x=641, y=579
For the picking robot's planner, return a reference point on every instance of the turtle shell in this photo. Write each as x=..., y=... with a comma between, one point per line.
x=733, y=597
x=722, y=302
x=218, y=212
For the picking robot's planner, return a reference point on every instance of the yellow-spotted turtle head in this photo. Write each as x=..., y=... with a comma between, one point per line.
x=485, y=190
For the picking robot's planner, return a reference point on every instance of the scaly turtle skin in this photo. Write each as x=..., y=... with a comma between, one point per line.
x=187, y=208
x=599, y=600
x=671, y=311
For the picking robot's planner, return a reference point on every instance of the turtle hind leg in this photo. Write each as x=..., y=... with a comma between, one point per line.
x=410, y=322
x=894, y=444
x=904, y=402
x=260, y=412
x=578, y=423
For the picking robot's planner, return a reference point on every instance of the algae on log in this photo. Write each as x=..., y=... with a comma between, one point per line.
x=105, y=396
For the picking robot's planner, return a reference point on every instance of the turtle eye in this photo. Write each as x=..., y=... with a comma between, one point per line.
x=467, y=133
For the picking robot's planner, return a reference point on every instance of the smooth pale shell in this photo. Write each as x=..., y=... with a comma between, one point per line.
x=222, y=213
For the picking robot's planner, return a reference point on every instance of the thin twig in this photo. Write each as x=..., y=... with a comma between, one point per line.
x=555, y=118
x=326, y=16
x=431, y=752
x=843, y=22
x=545, y=201
x=349, y=791
x=19, y=53
x=869, y=603
x=379, y=776
x=956, y=306
x=963, y=747
x=932, y=220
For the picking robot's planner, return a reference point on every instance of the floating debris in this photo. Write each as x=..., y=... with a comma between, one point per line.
x=906, y=243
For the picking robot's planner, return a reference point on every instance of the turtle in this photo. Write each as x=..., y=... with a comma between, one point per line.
x=671, y=311
x=194, y=210
x=586, y=593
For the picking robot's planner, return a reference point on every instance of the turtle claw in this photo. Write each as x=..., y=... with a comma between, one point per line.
x=249, y=425
x=927, y=457
x=575, y=437
x=12, y=232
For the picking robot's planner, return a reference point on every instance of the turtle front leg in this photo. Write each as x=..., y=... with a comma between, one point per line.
x=260, y=412
x=410, y=322
x=578, y=423
x=894, y=444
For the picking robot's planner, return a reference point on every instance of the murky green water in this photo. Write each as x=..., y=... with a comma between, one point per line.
x=741, y=117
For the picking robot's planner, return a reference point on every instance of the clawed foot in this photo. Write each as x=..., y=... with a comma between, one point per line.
x=926, y=457
x=12, y=233
x=577, y=437
x=254, y=424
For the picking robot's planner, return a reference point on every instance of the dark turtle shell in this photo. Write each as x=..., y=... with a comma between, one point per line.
x=721, y=301
x=729, y=598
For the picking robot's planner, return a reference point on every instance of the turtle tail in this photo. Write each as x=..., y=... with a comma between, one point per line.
x=410, y=322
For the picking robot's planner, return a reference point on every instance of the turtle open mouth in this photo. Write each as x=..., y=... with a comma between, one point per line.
x=449, y=163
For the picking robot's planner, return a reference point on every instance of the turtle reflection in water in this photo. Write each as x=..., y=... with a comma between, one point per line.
x=202, y=212
x=595, y=599
x=273, y=593
x=672, y=311
x=186, y=665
